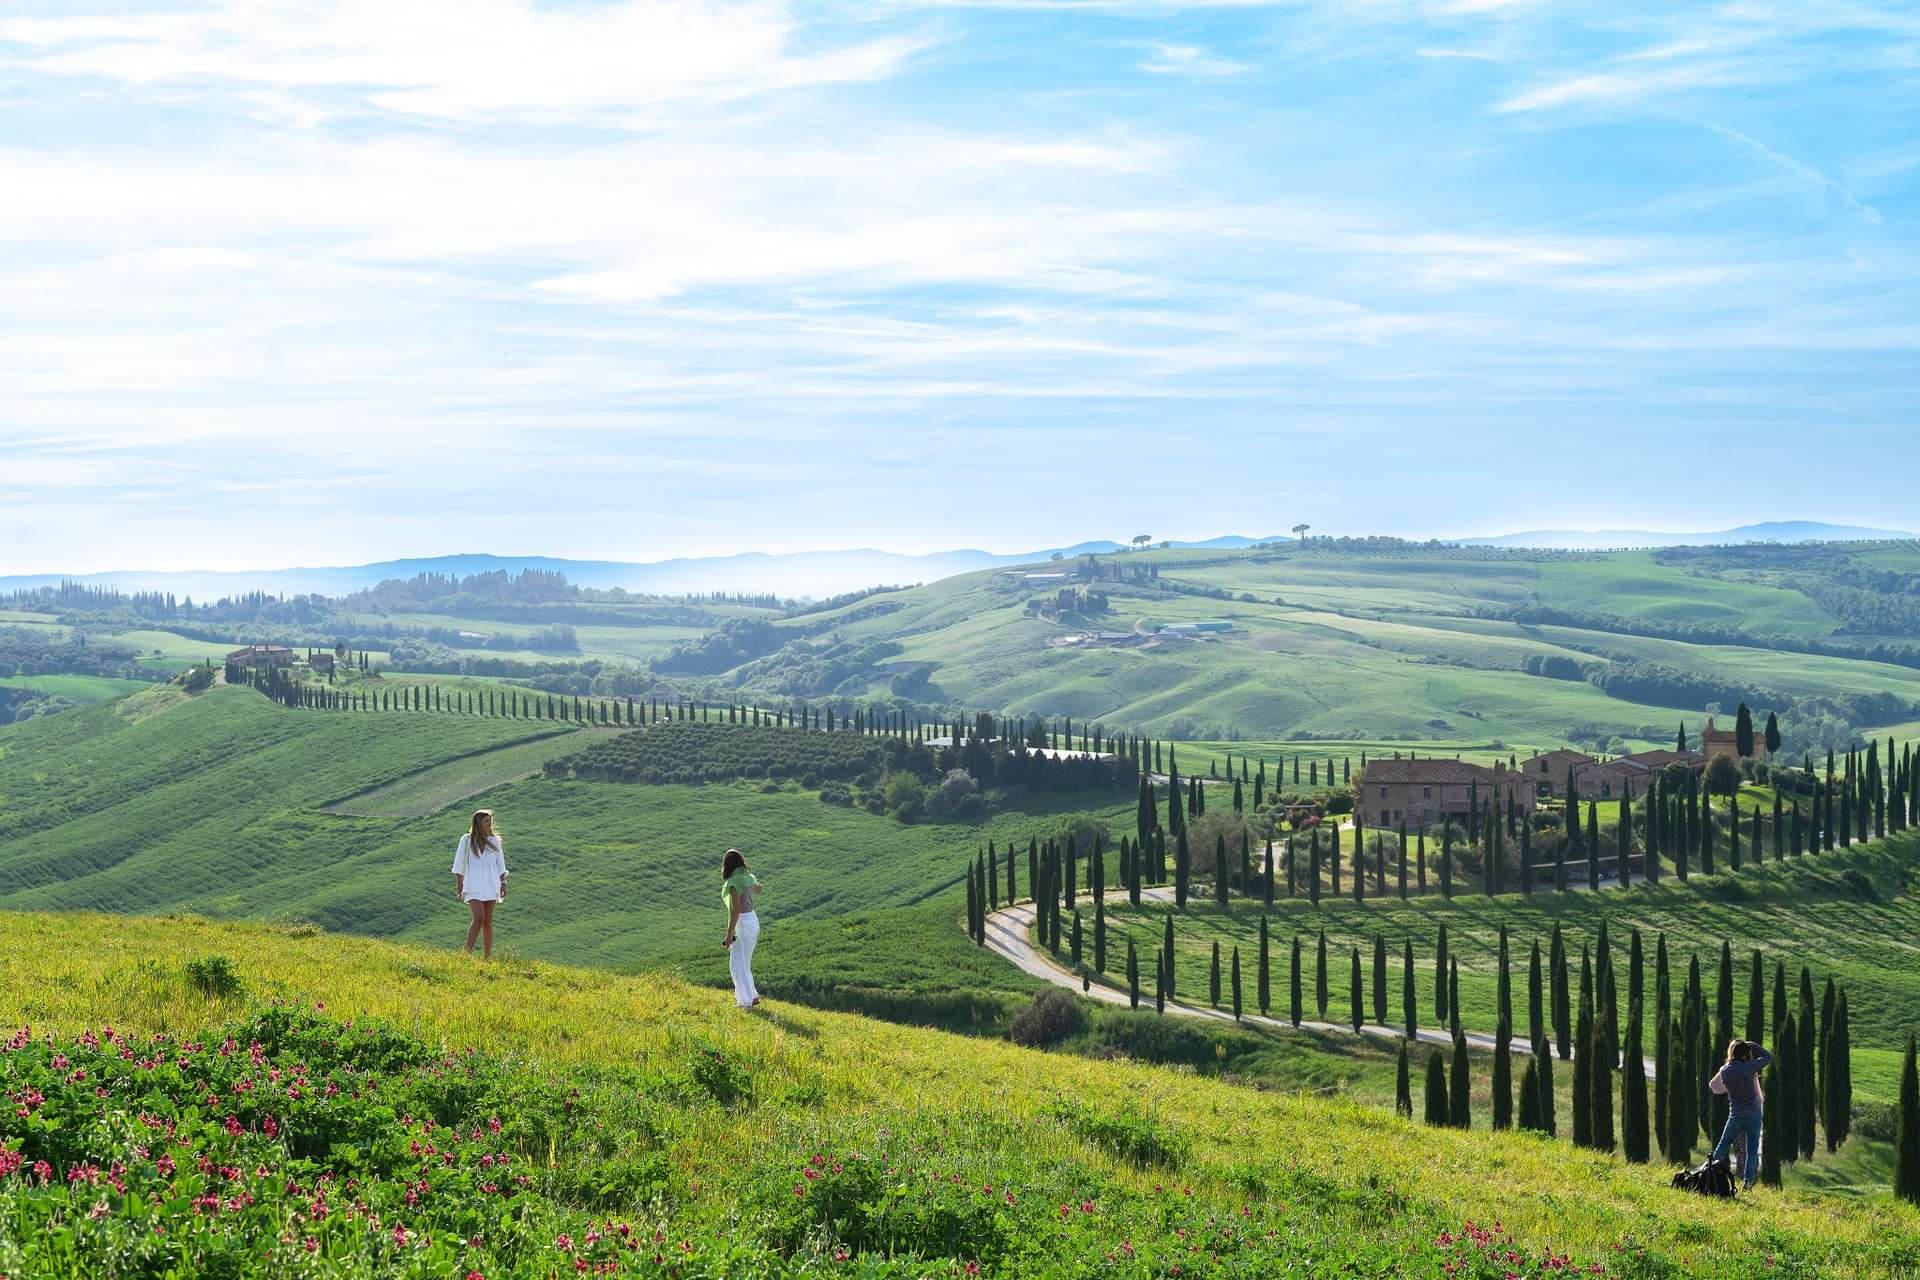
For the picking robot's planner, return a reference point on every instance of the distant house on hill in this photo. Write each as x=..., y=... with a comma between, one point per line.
x=665, y=696
x=259, y=656
x=1425, y=792
x=1725, y=742
x=1548, y=770
x=321, y=662
x=1195, y=628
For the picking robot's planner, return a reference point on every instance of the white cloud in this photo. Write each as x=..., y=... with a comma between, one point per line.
x=460, y=60
x=1190, y=60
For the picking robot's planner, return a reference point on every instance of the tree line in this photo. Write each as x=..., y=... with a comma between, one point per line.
x=1809, y=1086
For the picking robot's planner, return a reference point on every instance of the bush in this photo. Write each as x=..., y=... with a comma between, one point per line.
x=1131, y=1135
x=214, y=977
x=1052, y=1017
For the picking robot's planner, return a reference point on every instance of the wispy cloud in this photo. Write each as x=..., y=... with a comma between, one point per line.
x=1807, y=173
x=1190, y=60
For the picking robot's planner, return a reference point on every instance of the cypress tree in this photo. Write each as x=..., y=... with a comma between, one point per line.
x=1402, y=1086
x=1099, y=935
x=1906, y=1175
x=1453, y=996
x=1806, y=1094
x=1166, y=956
x=1409, y=1004
x=1293, y=1006
x=1074, y=936
x=1354, y=990
x=1460, y=1099
x=1842, y=1062
x=1536, y=1017
x=1437, y=1109
x=1181, y=869
x=1263, y=971
x=1313, y=869
x=1133, y=976
x=1530, y=1099
x=1583, y=1063
x=1562, y=1005
x=1379, y=980
x=1236, y=984
x=1756, y=1030
x=1678, y=1089
x=1213, y=976
x=1503, y=1076
x=1320, y=978
x=1266, y=879
x=1446, y=860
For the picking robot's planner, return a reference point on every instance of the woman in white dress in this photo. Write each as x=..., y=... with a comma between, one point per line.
x=480, y=878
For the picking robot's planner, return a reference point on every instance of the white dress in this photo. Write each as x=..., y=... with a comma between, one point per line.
x=484, y=872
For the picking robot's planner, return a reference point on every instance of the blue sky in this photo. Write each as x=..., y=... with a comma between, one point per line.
x=319, y=283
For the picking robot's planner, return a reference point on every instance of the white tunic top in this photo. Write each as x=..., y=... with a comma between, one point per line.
x=484, y=871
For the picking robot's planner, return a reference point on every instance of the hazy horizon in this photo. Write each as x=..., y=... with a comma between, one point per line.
x=647, y=278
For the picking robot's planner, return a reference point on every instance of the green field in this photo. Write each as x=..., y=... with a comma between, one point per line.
x=216, y=804
x=433, y=789
x=1349, y=646
x=82, y=689
x=695, y=1121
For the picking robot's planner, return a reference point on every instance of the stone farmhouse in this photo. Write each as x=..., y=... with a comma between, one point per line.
x=1426, y=792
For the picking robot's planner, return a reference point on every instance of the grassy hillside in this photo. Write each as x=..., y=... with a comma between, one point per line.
x=1403, y=645
x=219, y=804
x=787, y=1142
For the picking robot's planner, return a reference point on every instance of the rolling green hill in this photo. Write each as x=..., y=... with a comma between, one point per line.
x=219, y=804
x=1403, y=644
x=789, y=1142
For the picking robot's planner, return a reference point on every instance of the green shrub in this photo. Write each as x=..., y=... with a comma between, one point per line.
x=1052, y=1017
x=214, y=977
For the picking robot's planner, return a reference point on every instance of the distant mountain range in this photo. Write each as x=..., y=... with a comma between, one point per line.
x=1770, y=531
x=802, y=573
x=826, y=573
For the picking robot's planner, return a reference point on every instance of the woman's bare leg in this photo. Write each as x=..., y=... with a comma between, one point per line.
x=486, y=930
x=476, y=910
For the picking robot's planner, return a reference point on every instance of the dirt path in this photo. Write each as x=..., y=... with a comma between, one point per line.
x=1009, y=935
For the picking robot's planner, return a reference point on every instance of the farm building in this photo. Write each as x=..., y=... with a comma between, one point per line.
x=260, y=656
x=1195, y=628
x=1422, y=793
x=1725, y=742
x=321, y=662
x=1548, y=770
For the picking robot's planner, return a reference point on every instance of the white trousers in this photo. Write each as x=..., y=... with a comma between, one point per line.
x=740, y=959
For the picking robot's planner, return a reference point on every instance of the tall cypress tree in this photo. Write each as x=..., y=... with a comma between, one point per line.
x=1264, y=970
x=1409, y=1001
x=1402, y=1086
x=1460, y=1096
x=1133, y=976
x=1294, y=1002
x=1354, y=991
x=1906, y=1145
x=1438, y=1112
x=1379, y=980
x=1213, y=977
x=1562, y=1005
x=1633, y=1092
x=1583, y=1061
x=1320, y=978
x=1236, y=984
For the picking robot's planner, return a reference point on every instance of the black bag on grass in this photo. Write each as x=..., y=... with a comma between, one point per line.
x=1713, y=1178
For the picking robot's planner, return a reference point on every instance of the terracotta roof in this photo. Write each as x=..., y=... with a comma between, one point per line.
x=1433, y=770
x=1660, y=759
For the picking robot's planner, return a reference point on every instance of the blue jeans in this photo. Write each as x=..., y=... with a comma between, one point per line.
x=1738, y=1124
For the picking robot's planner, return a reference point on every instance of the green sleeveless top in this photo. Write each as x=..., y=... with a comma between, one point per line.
x=740, y=882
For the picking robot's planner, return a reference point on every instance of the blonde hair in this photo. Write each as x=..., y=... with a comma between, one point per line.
x=477, y=843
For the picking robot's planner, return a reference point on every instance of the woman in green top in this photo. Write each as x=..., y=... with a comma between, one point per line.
x=739, y=887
